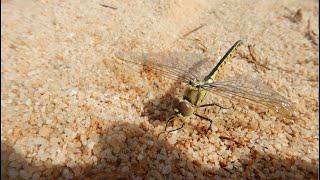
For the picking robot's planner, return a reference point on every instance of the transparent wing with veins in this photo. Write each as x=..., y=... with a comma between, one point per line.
x=180, y=66
x=253, y=89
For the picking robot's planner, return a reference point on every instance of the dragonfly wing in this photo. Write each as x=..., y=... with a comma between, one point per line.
x=202, y=68
x=253, y=89
x=173, y=65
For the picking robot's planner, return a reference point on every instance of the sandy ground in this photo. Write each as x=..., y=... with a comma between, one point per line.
x=70, y=109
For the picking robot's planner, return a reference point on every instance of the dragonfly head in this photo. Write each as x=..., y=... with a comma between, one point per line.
x=184, y=108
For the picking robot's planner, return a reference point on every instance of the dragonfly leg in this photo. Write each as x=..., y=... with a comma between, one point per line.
x=177, y=128
x=205, y=118
x=170, y=119
x=214, y=104
x=231, y=139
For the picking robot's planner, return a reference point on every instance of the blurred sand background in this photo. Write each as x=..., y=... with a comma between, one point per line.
x=70, y=109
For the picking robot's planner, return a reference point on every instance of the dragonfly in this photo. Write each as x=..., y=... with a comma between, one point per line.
x=242, y=87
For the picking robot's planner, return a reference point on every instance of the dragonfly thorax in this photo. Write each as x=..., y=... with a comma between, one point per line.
x=194, y=95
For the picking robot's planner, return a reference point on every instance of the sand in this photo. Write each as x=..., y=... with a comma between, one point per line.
x=71, y=110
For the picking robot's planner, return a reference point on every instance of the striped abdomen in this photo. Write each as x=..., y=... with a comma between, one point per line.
x=226, y=58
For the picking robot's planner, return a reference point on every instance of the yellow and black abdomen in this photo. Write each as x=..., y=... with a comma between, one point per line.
x=226, y=58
